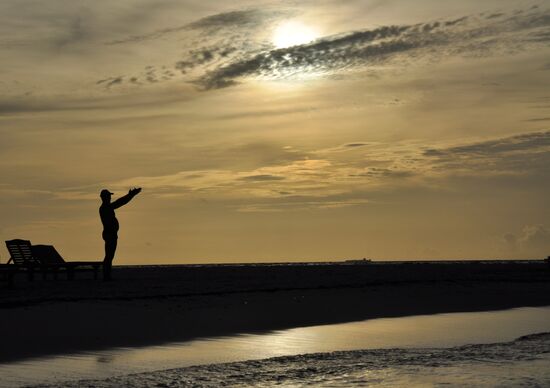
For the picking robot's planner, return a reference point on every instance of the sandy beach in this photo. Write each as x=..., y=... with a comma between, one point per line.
x=148, y=305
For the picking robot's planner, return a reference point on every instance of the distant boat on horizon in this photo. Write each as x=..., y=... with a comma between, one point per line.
x=364, y=260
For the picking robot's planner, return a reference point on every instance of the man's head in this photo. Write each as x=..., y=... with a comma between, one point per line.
x=105, y=195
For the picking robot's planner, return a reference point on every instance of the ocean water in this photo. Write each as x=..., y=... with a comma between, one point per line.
x=523, y=362
x=496, y=348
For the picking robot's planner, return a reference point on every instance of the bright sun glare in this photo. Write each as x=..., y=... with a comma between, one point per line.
x=293, y=33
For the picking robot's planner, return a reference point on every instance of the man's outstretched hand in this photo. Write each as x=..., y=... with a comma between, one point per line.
x=135, y=191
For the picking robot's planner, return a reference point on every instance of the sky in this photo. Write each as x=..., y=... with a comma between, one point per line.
x=277, y=130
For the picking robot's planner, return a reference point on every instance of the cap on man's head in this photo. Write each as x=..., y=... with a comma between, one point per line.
x=105, y=193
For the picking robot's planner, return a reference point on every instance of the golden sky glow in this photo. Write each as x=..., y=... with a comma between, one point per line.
x=265, y=131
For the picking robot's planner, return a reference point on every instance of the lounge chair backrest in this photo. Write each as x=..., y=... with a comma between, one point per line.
x=20, y=251
x=46, y=254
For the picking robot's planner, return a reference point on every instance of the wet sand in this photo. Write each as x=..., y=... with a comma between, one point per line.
x=157, y=304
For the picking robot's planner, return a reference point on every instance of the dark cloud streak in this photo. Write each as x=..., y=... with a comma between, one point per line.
x=262, y=178
x=230, y=52
x=360, y=49
x=519, y=143
x=244, y=19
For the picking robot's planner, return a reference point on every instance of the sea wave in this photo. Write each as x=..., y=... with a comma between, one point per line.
x=522, y=362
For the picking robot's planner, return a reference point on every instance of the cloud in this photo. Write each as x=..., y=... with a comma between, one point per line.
x=355, y=145
x=31, y=104
x=213, y=40
x=533, y=239
x=519, y=143
x=108, y=82
x=77, y=31
x=520, y=155
x=288, y=178
x=265, y=113
x=262, y=178
x=536, y=235
x=323, y=55
x=510, y=239
x=385, y=45
x=217, y=24
x=348, y=147
x=250, y=17
x=310, y=177
x=377, y=172
x=494, y=15
x=301, y=204
x=203, y=56
x=231, y=47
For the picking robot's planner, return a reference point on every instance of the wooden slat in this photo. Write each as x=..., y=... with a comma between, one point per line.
x=20, y=251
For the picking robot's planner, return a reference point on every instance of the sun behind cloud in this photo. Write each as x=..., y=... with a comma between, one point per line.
x=293, y=33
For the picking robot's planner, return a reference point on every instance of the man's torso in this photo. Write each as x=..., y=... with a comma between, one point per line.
x=109, y=221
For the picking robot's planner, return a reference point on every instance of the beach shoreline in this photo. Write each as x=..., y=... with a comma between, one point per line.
x=160, y=304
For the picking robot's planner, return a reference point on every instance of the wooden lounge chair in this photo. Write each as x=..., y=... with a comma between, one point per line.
x=48, y=256
x=45, y=259
x=21, y=256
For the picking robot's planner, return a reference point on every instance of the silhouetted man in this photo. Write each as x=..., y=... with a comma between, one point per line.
x=110, y=225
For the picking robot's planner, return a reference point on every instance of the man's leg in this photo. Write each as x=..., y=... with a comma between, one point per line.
x=110, y=248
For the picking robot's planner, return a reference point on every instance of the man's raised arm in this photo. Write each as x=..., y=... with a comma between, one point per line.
x=126, y=198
